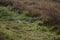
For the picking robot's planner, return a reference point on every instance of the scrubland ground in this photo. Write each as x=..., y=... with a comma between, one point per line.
x=29, y=20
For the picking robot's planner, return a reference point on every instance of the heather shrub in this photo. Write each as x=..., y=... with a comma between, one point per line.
x=51, y=17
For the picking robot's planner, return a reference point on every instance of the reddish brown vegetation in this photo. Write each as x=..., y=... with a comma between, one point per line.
x=49, y=10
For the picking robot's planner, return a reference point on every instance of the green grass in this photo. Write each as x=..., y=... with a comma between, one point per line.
x=15, y=26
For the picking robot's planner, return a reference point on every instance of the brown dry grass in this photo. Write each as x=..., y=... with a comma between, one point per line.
x=49, y=10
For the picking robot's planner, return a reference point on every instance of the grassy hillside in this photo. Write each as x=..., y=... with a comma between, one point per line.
x=29, y=20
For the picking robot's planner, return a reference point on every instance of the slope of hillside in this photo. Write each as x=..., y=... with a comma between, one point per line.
x=29, y=20
x=48, y=9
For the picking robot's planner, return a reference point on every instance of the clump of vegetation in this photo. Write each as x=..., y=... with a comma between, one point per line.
x=25, y=24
